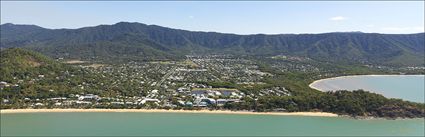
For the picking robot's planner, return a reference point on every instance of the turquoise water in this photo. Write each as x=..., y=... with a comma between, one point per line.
x=407, y=87
x=178, y=124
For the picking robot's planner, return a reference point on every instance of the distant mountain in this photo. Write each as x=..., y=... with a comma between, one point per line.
x=140, y=41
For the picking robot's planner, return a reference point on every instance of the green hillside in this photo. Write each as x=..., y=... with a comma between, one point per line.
x=136, y=41
x=34, y=75
x=19, y=63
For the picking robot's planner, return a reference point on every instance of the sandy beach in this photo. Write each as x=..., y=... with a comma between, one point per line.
x=311, y=85
x=321, y=114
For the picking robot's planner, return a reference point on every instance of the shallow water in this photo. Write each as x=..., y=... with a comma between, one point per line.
x=407, y=87
x=178, y=124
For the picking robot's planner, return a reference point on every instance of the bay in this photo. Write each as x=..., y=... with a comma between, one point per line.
x=406, y=87
x=180, y=124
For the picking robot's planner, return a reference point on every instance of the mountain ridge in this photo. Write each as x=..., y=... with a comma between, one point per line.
x=141, y=41
x=125, y=22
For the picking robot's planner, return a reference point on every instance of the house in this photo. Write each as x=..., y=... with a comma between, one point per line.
x=117, y=103
x=203, y=102
x=5, y=101
x=155, y=91
x=69, y=102
x=199, y=93
x=189, y=104
x=222, y=102
x=4, y=84
x=148, y=100
x=83, y=103
x=58, y=98
x=182, y=89
x=181, y=102
x=214, y=92
x=130, y=103
x=39, y=104
x=89, y=97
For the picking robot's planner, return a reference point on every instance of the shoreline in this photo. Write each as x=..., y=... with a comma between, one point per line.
x=372, y=75
x=319, y=114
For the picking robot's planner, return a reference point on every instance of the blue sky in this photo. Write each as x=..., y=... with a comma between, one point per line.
x=220, y=16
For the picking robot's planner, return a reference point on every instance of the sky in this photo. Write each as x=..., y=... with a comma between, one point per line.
x=240, y=17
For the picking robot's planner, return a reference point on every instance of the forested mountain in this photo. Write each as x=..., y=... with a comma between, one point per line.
x=139, y=41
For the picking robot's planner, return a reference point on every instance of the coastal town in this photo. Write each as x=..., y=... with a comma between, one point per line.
x=197, y=82
x=189, y=84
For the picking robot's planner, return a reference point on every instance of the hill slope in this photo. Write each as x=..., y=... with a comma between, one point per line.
x=19, y=63
x=139, y=41
x=34, y=75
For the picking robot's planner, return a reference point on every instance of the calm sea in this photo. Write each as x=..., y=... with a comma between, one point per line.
x=178, y=124
x=407, y=87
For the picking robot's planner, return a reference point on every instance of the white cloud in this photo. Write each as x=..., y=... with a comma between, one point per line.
x=338, y=18
x=191, y=17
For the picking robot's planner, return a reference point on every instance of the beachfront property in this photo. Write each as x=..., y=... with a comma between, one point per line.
x=183, y=97
x=147, y=100
x=216, y=92
x=222, y=102
x=89, y=97
x=204, y=102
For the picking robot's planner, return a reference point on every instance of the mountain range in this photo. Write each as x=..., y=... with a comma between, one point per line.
x=137, y=41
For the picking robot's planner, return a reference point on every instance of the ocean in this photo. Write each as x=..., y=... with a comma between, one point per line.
x=182, y=124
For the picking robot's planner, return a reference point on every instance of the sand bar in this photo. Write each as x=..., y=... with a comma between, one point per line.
x=321, y=114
